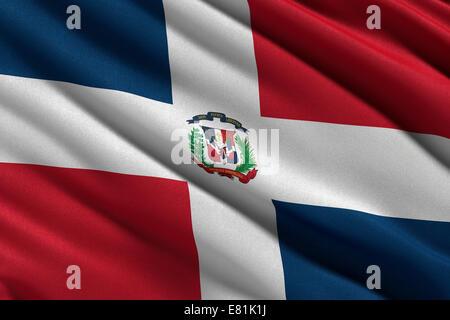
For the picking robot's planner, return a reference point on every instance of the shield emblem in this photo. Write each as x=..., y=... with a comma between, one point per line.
x=219, y=149
x=220, y=145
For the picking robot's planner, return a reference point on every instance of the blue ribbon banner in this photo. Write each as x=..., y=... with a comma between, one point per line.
x=210, y=117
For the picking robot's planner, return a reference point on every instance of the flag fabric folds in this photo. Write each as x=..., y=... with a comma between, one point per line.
x=360, y=121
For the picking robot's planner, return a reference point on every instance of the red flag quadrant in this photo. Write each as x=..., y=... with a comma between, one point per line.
x=131, y=235
x=317, y=61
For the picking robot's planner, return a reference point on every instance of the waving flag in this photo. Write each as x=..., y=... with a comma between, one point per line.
x=87, y=122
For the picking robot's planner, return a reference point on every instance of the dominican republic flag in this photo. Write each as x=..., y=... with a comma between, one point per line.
x=86, y=140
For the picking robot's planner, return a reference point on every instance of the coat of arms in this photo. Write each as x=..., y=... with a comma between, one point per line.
x=217, y=148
